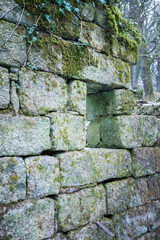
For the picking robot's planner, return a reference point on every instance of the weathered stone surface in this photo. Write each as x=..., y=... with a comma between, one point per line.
x=24, y=136
x=158, y=142
x=15, y=14
x=150, y=109
x=76, y=168
x=114, y=102
x=93, y=132
x=41, y=92
x=153, y=215
x=77, y=97
x=157, y=158
x=13, y=53
x=58, y=236
x=154, y=186
x=42, y=176
x=93, y=165
x=68, y=132
x=14, y=97
x=80, y=208
x=85, y=64
x=150, y=236
x=131, y=224
x=87, y=11
x=95, y=37
x=123, y=52
x=126, y=131
x=143, y=161
x=125, y=194
x=4, y=88
x=28, y=220
x=104, y=72
x=93, y=232
x=13, y=180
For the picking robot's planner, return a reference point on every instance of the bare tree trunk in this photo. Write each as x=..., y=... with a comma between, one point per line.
x=158, y=75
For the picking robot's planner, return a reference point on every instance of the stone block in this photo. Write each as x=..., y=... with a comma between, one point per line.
x=154, y=186
x=113, y=102
x=149, y=236
x=13, y=52
x=153, y=215
x=58, y=236
x=95, y=37
x=157, y=158
x=126, y=131
x=73, y=61
x=24, y=136
x=13, y=180
x=41, y=92
x=123, y=52
x=132, y=223
x=14, y=97
x=92, y=231
x=80, y=208
x=143, y=161
x=76, y=169
x=42, y=176
x=28, y=220
x=93, y=165
x=4, y=88
x=15, y=13
x=77, y=97
x=125, y=194
x=87, y=11
x=68, y=131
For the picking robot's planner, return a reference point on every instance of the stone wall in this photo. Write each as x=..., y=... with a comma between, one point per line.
x=73, y=151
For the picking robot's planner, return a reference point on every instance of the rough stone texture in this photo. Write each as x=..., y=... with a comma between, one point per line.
x=58, y=236
x=76, y=168
x=95, y=37
x=104, y=72
x=150, y=109
x=68, y=131
x=153, y=215
x=123, y=52
x=114, y=102
x=42, y=176
x=154, y=186
x=77, y=97
x=150, y=236
x=157, y=158
x=28, y=220
x=14, y=97
x=126, y=131
x=93, y=232
x=80, y=208
x=87, y=11
x=84, y=64
x=4, y=88
x=131, y=224
x=24, y=136
x=143, y=161
x=124, y=194
x=15, y=14
x=12, y=179
x=13, y=53
x=93, y=165
x=41, y=92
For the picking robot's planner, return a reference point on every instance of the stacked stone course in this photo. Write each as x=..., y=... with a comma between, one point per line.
x=72, y=155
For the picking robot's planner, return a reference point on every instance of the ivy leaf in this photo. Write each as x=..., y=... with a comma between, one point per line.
x=48, y=18
x=76, y=10
x=102, y=1
x=34, y=39
x=61, y=10
x=60, y=2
